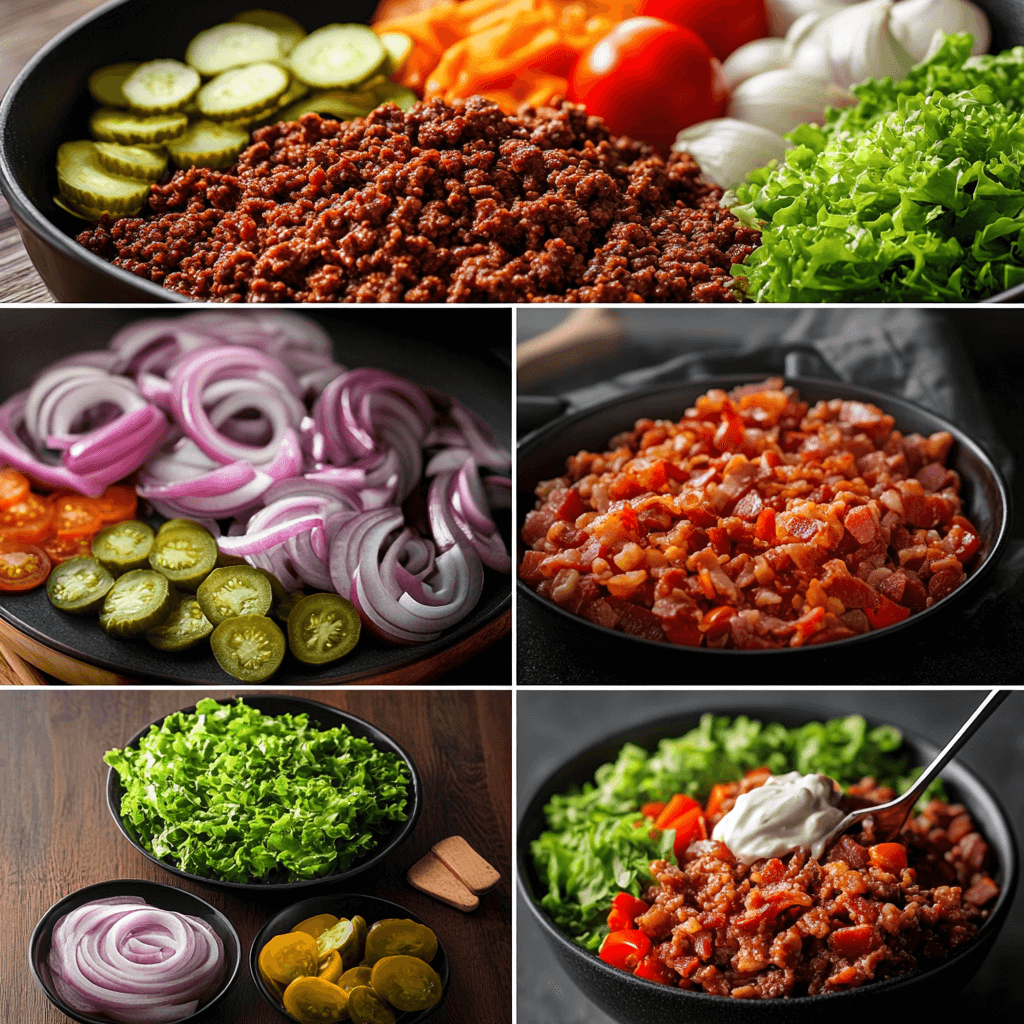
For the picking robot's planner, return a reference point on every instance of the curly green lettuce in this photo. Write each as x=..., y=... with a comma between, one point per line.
x=227, y=792
x=597, y=844
x=916, y=194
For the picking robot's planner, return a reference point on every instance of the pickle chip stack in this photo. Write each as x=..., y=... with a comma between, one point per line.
x=259, y=68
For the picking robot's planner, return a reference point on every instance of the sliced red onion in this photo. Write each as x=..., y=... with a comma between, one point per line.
x=131, y=962
x=130, y=438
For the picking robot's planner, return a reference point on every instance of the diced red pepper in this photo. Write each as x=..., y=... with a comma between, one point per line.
x=762, y=774
x=853, y=942
x=625, y=910
x=625, y=948
x=719, y=791
x=889, y=856
x=764, y=528
x=677, y=806
x=970, y=540
x=688, y=828
x=652, y=810
x=657, y=970
x=888, y=613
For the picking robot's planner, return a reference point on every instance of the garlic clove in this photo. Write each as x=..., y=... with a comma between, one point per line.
x=782, y=99
x=728, y=150
x=914, y=23
x=752, y=58
x=782, y=13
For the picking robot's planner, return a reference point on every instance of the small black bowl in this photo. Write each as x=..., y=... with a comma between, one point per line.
x=166, y=897
x=324, y=717
x=633, y=1000
x=349, y=905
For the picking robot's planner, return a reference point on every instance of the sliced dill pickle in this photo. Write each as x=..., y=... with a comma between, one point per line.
x=78, y=585
x=133, y=161
x=322, y=628
x=186, y=554
x=366, y=1007
x=123, y=546
x=242, y=90
x=392, y=92
x=111, y=125
x=208, y=144
x=231, y=45
x=248, y=647
x=284, y=606
x=288, y=29
x=354, y=977
x=83, y=179
x=406, y=982
x=140, y=600
x=159, y=86
x=68, y=205
x=337, y=55
x=185, y=627
x=234, y=590
x=327, y=104
x=105, y=83
x=399, y=49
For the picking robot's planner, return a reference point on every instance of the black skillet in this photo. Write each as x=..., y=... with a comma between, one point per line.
x=49, y=104
x=541, y=455
x=455, y=361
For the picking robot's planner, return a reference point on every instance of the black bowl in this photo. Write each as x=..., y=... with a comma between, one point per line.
x=326, y=718
x=49, y=104
x=541, y=456
x=632, y=1000
x=166, y=897
x=349, y=905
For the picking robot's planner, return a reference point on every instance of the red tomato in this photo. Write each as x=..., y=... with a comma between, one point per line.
x=648, y=79
x=13, y=487
x=625, y=948
x=27, y=520
x=22, y=566
x=723, y=24
x=625, y=910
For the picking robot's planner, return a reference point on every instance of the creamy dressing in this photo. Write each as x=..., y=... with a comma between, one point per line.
x=787, y=813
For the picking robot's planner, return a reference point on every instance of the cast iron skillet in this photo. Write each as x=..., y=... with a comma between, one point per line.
x=632, y=1000
x=541, y=455
x=49, y=104
x=458, y=364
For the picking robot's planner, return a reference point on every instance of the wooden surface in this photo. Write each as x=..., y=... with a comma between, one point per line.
x=56, y=835
x=24, y=27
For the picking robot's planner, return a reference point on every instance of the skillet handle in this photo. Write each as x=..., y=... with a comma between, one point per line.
x=533, y=411
x=807, y=361
x=586, y=335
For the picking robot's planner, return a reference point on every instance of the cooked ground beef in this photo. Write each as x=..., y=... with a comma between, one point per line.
x=753, y=522
x=441, y=204
x=794, y=926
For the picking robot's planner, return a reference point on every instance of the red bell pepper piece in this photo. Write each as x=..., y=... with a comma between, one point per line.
x=719, y=791
x=657, y=970
x=888, y=613
x=625, y=910
x=689, y=826
x=889, y=856
x=677, y=806
x=625, y=948
x=652, y=810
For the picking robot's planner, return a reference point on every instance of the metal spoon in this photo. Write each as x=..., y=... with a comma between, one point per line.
x=888, y=818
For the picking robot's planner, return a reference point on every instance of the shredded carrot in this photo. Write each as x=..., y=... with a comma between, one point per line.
x=511, y=51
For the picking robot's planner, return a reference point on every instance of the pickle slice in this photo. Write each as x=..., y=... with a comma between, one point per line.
x=327, y=104
x=231, y=45
x=242, y=90
x=68, y=205
x=123, y=546
x=111, y=125
x=184, y=628
x=288, y=29
x=105, y=83
x=399, y=48
x=138, y=601
x=208, y=144
x=250, y=648
x=392, y=92
x=83, y=180
x=337, y=55
x=133, y=161
x=159, y=86
x=79, y=585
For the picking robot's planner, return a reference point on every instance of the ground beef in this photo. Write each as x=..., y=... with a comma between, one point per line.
x=753, y=522
x=793, y=926
x=442, y=204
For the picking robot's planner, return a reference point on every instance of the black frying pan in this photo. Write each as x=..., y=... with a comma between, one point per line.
x=455, y=361
x=541, y=455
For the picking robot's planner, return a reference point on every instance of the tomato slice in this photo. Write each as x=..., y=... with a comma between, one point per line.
x=625, y=948
x=13, y=487
x=75, y=516
x=625, y=910
x=22, y=566
x=60, y=549
x=27, y=520
x=117, y=503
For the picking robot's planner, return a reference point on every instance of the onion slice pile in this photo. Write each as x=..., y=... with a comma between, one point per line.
x=132, y=962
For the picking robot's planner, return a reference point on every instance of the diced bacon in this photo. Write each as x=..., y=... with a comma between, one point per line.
x=707, y=561
x=861, y=523
x=905, y=588
x=933, y=476
x=536, y=524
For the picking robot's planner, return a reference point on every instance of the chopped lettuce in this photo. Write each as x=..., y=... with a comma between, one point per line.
x=230, y=793
x=916, y=194
x=598, y=845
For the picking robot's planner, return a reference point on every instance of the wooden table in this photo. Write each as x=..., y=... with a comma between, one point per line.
x=56, y=835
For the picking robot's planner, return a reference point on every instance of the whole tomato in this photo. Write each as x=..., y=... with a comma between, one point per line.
x=723, y=24
x=648, y=79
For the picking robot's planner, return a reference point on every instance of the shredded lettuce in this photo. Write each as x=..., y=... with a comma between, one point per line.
x=597, y=845
x=230, y=793
x=916, y=194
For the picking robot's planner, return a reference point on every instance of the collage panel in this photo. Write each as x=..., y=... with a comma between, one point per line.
x=657, y=872
x=329, y=838
x=769, y=496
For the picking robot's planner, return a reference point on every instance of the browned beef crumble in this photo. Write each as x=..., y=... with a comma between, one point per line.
x=441, y=204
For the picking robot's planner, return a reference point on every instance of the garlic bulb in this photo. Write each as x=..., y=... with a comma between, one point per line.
x=782, y=13
x=914, y=22
x=850, y=46
x=752, y=58
x=780, y=100
x=728, y=150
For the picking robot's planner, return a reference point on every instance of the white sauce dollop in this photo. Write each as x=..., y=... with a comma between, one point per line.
x=787, y=813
